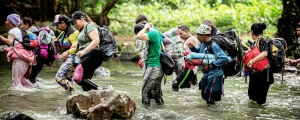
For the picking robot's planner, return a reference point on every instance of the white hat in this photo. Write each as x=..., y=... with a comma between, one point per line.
x=203, y=30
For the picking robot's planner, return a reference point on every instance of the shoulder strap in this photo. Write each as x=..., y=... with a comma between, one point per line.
x=209, y=47
x=85, y=31
x=257, y=43
x=99, y=31
x=21, y=37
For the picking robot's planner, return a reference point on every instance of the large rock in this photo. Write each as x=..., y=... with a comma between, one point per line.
x=128, y=52
x=101, y=104
x=15, y=115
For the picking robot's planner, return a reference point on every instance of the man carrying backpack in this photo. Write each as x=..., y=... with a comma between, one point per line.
x=212, y=79
x=66, y=45
x=152, y=69
x=188, y=75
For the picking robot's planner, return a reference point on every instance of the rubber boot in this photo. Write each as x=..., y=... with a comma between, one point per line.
x=145, y=100
x=87, y=85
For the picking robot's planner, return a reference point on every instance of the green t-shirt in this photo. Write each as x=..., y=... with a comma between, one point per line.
x=154, y=49
x=83, y=39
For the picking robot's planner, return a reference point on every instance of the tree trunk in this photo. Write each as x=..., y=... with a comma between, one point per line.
x=103, y=19
x=287, y=24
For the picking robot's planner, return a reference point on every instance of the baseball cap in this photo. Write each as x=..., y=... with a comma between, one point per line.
x=77, y=15
x=59, y=18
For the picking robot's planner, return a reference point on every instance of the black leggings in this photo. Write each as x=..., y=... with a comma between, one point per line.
x=36, y=69
x=88, y=64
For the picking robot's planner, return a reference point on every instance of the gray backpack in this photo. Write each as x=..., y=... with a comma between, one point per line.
x=108, y=45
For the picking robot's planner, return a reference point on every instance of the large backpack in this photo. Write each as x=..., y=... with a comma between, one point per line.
x=167, y=64
x=29, y=40
x=108, y=45
x=231, y=44
x=47, y=50
x=276, y=54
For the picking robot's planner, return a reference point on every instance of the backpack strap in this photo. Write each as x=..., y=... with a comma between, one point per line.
x=85, y=31
x=209, y=47
x=17, y=39
x=86, y=34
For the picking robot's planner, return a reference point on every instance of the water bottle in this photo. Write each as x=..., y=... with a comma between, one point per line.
x=138, y=45
x=76, y=59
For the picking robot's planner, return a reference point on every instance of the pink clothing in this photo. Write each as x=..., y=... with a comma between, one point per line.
x=19, y=72
x=22, y=63
x=19, y=52
x=78, y=74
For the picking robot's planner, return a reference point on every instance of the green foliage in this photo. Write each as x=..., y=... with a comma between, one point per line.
x=165, y=14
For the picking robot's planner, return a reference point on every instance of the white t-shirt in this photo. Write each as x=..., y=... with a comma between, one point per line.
x=17, y=33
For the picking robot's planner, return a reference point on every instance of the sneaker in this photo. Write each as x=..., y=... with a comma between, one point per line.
x=109, y=87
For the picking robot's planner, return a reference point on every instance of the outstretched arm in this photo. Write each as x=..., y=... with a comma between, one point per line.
x=8, y=41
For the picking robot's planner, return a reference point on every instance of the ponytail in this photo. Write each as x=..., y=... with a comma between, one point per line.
x=88, y=19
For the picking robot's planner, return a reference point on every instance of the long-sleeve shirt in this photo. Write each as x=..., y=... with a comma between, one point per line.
x=221, y=58
x=67, y=38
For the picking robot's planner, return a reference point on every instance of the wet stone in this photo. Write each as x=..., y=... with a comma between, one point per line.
x=15, y=115
x=101, y=104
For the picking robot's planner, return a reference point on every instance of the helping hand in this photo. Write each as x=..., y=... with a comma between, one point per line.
x=191, y=44
x=81, y=53
x=291, y=62
x=64, y=55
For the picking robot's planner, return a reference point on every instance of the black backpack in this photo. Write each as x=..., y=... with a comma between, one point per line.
x=167, y=64
x=108, y=45
x=231, y=44
x=29, y=40
x=276, y=54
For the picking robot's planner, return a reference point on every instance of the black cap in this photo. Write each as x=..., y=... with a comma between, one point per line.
x=77, y=15
x=59, y=18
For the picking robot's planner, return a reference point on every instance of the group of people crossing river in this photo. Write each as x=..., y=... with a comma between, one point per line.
x=79, y=46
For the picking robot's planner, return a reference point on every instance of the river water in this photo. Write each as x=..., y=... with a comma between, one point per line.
x=48, y=102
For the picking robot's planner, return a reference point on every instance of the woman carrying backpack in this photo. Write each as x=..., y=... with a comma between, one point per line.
x=22, y=59
x=260, y=80
x=66, y=45
x=27, y=24
x=88, y=52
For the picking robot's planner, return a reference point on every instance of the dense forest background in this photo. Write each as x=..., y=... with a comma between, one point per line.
x=281, y=16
